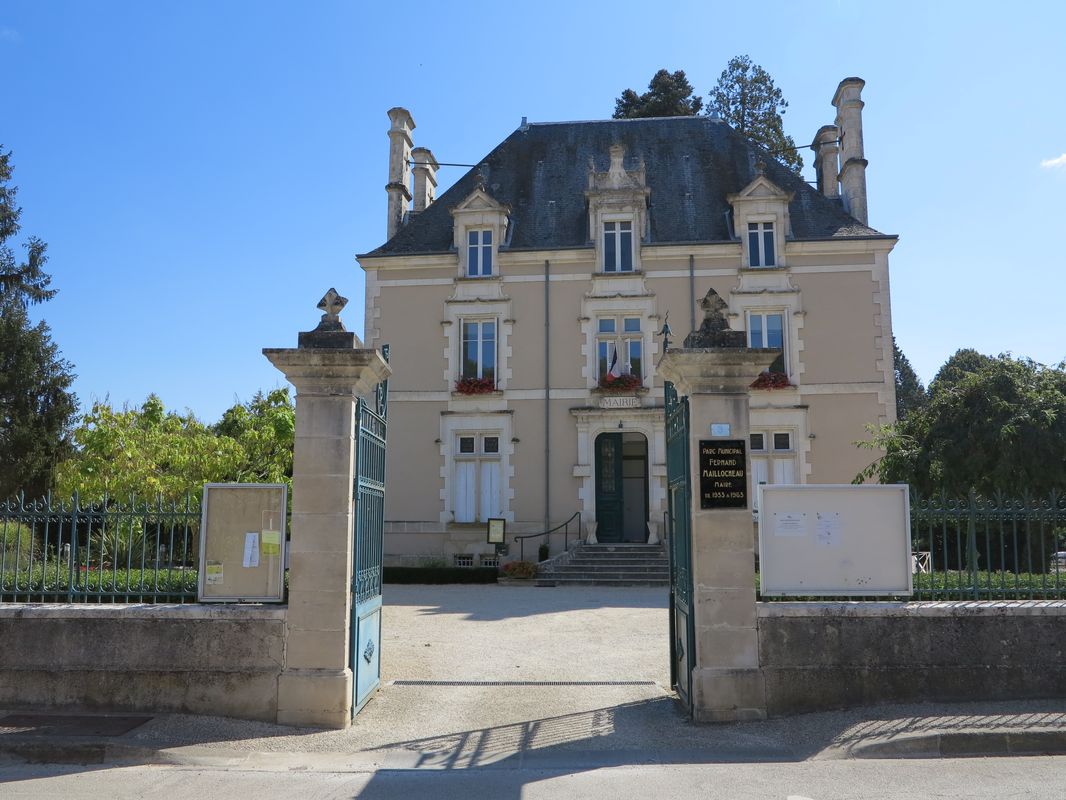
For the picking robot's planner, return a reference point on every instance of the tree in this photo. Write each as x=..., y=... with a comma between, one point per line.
x=146, y=452
x=25, y=283
x=910, y=394
x=746, y=98
x=36, y=406
x=264, y=429
x=964, y=362
x=998, y=428
x=149, y=451
x=668, y=95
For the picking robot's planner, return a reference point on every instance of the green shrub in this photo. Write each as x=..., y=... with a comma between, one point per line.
x=53, y=584
x=16, y=542
x=520, y=569
x=543, y=552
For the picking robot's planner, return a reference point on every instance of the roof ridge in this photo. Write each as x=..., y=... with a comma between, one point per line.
x=703, y=117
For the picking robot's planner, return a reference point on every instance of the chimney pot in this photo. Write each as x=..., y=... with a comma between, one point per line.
x=398, y=187
x=848, y=102
x=425, y=172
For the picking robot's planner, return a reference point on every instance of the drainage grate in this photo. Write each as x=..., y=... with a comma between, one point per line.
x=71, y=724
x=522, y=683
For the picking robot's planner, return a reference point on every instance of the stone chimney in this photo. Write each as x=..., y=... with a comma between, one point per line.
x=398, y=186
x=425, y=170
x=848, y=103
x=825, y=160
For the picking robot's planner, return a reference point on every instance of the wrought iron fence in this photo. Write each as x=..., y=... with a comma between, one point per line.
x=989, y=548
x=136, y=551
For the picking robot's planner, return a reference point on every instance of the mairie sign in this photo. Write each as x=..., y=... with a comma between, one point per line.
x=626, y=401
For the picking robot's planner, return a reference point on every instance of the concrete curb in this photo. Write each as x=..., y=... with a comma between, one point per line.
x=973, y=743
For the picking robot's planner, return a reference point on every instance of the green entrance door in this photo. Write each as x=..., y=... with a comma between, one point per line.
x=621, y=487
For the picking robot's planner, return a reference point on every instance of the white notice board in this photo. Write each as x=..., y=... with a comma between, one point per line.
x=242, y=543
x=842, y=540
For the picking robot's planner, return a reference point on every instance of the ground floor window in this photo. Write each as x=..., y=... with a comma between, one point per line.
x=773, y=459
x=477, y=477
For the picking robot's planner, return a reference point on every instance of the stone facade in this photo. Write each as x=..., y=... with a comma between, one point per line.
x=568, y=229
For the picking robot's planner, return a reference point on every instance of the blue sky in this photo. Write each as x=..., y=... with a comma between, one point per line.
x=204, y=171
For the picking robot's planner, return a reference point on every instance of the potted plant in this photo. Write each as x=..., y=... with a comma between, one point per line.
x=623, y=383
x=475, y=385
x=771, y=380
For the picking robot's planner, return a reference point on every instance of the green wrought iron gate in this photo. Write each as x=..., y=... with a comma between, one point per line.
x=679, y=532
x=368, y=531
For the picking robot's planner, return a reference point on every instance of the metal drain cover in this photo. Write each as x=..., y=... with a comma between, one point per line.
x=70, y=724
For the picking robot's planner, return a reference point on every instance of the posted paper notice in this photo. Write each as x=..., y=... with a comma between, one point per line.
x=214, y=573
x=790, y=523
x=828, y=531
x=251, y=549
x=271, y=543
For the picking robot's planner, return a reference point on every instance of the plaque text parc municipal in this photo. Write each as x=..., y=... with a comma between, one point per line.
x=723, y=474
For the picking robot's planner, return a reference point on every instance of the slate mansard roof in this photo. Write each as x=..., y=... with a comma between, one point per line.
x=692, y=163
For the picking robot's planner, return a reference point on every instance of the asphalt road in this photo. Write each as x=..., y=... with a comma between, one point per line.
x=974, y=779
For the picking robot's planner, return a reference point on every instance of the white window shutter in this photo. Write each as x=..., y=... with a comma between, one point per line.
x=464, y=491
x=490, y=489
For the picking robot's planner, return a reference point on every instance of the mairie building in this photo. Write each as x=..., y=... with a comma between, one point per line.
x=524, y=309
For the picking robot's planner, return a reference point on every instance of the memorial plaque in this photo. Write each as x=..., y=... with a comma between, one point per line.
x=723, y=474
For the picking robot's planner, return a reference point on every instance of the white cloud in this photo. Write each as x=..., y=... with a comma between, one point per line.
x=1051, y=163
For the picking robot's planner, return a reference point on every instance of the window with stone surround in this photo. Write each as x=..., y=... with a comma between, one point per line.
x=773, y=459
x=766, y=329
x=618, y=246
x=478, y=354
x=619, y=348
x=477, y=476
x=761, y=245
x=479, y=253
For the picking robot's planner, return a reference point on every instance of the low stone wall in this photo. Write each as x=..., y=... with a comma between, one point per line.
x=196, y=659
x=818, y=656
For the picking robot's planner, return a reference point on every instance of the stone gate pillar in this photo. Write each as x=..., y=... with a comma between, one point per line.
x=727, y=683
x=330, y=371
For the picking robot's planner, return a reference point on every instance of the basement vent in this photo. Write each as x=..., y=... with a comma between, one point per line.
x=489, y=561
x=463, y=561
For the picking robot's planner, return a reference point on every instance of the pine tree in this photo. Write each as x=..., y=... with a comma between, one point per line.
x=746, y=98
x=910, y=394
x=668, y=95
x=36, y=406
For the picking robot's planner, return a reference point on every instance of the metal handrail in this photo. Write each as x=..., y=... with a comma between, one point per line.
x=566, y=535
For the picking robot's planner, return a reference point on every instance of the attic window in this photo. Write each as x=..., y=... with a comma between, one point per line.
x=618, y=247
x=479, y=253
x=761, y=244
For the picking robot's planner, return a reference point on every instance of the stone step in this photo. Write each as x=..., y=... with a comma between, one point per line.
x=610, y=573
x=620, y=560
x=610, y=564
x=600, y=582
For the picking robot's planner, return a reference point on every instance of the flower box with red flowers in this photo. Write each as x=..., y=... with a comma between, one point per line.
x=623, y=383
x=771, y=380
x=475, y=385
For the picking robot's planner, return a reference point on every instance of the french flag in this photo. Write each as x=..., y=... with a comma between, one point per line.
x=613, y=372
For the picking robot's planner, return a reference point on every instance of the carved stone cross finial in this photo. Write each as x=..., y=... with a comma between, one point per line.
x=332, y=303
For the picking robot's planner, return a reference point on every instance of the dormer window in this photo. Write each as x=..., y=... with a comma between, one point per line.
x=479, y=253
x=761, y=251
x=618, y=246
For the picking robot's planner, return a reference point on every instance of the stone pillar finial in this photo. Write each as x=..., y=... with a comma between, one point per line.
x=330, y=331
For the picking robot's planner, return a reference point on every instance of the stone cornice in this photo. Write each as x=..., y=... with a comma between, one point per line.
x=322, y=371
x=714, y=370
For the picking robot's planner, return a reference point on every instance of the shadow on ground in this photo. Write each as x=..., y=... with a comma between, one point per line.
x=521, y=601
